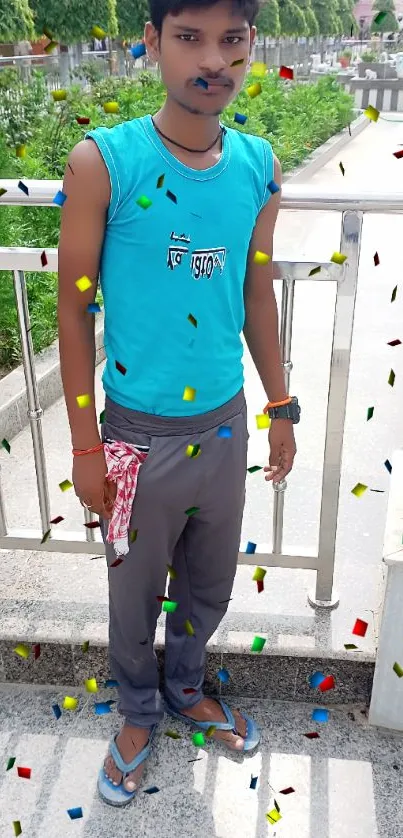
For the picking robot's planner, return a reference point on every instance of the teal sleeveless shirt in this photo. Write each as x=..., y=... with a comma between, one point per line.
x=173, y=267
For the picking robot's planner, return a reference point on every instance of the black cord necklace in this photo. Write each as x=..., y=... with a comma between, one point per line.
x=195, y=150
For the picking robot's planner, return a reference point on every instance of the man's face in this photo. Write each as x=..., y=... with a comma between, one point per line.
x=202, y=43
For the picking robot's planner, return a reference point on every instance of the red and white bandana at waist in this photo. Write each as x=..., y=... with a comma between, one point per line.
x=123, y=462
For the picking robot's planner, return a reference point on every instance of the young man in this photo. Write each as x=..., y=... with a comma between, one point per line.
x=171, y=209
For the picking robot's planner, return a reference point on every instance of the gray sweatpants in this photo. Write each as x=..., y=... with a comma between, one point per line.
x=202, y=548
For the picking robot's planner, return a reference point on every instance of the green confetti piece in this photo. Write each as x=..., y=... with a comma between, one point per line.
x=189, y=628
x=349, y=646
x=359, y=490
x=254, y=468
x=11, y=763
x=102, y=417
x=172, y=734
x=394, y=292
x=46, y=536
x=65, y=484
x=259, y=574
x=370, y=413
x=236, y=63
x=192, y=510
x=160, y=181
x=17, y=828
x=314, y=271
x=192, y=320
x=144, y=202
x=133, y=536
x=379, y=17
x=6, y=445
x=85, y=646
x=198, y=739
x=398, y=669
x=169, y=606
x=391, y=379
x=342, y=169
x=258, y=643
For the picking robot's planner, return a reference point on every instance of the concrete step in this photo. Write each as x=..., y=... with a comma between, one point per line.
x=347, y=782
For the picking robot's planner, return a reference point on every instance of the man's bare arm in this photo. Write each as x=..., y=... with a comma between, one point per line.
x=83, y=220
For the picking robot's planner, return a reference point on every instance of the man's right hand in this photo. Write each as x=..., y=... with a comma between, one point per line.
x=91, y=484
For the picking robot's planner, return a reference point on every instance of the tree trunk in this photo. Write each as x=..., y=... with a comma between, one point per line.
x=265, y=49
x=64, y=66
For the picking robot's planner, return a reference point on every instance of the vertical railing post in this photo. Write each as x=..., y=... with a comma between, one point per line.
x=35, y=411
x=350, y=244
x=287, y=313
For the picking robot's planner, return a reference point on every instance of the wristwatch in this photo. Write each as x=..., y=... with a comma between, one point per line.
x=290, y=410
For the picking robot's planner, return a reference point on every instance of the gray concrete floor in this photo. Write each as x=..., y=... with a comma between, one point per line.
x=347, y=783
x=45, y=581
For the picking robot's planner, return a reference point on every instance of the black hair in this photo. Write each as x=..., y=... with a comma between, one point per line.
x=159, y=9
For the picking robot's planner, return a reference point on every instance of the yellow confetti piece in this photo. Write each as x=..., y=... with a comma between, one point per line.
x=97, y=32
x=259, y=574
x=17, y=828
x=91, y=685
x=398, y=669
x=211, y=730
x=371, y=113
x=258, y=68
x=189, y=628
x=83, y=283
x=189, y=394
x=359, y=490
x=21, y=150
x=261, y=258
x=172, y=573
x=64, y=485
x=22, y=650
x=339, y=258
x=263, y=421
x=84, y=401
x=193, y=451
x=254, y=90
x=111, y=107
x=59, y=95
x=273, y=816
x=70, y=703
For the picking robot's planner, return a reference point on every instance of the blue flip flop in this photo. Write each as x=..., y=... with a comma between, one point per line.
x=117, y=795
x=252, y=731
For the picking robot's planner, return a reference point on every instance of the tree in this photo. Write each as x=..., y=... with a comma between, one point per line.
x=347, y=21
x=16, y=21
x=268, y=19
x=292, y=19
x=326, y=15
x=388, y=22
x=132, y=16
x=71, y=21
x=312, y=26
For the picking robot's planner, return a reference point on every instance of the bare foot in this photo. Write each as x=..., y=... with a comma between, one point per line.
x=208, y=710
x=130, y=742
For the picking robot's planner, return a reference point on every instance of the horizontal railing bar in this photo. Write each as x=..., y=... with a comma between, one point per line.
x=29, y=259
x=294, y=197
x=72, y=542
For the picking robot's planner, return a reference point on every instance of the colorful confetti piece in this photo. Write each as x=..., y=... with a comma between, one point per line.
x=370, y=413
x=198, y=739
x=316, y=679
x=391, y=379
x=240, y=118
x=327, y=684
x=376, y=259
x=70, y=703
x=138, y=50
x=169, y=606
x=338, y=258
x=286, y=72
x=360, y=627
x=372, y=113
x=398, y=669
x=258, y=644
x=6, y=445
x=359, y=490
x=83, y=283
x=223, y=675
x=144, y=202
x=25, y=773
x=259, y=574
x=22, y=650
x=261, y=258
x=111, y=107
x=59, y=198
x=342, y=169
x=319, y=715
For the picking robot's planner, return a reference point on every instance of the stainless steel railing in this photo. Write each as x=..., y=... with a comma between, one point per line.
x=352, y=206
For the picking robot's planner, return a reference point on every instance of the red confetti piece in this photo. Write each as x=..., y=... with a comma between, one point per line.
x=286, y=72
x=396, y=342
x=57, y=520
x=376, y=259
x=260, y=585
x=360, y=627
x=37, y=650
x=163, y=599
x=312, y=735
x=121, y=368
x=83, y=120
x=398, y=154
x=24, y=772
x=289, y=790
x=44, y=260
x=92, y=525
x=189, y=691
x=117, y=562
x=327, y=684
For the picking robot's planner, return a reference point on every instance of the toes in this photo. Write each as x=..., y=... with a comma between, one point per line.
x=129, y=783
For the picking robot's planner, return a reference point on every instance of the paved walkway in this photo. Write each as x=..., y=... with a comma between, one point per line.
x=347, y=783
x=31, y=583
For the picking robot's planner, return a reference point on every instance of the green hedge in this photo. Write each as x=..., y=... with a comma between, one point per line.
x=294, y=118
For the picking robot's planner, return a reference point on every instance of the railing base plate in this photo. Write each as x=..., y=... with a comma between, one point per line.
x=323, y=603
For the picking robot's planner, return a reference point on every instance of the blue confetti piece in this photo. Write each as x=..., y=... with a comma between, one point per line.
x=225, y=431
x=23, y=188
x=388, y=466
x=250, y=547
x=253, y=782
x=57, y=711
x=59, y=198
x=101, y=708
x=273, y=187
x=75, y=813
x=316, y=679
x=223, y=675
x=111, y=683
x=93, y=308
x=138, y=50
x=202, y=83
x=240, y=118
x=151, y=790
x=320, y=715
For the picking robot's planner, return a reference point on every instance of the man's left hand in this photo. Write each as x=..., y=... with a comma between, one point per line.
x=282, y=449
